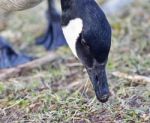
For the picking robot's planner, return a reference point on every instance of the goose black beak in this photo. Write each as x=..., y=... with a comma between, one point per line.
x=98, y=78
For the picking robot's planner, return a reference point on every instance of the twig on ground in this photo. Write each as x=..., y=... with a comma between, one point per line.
x=74, y=64
x=13, y=72
x=133, y=78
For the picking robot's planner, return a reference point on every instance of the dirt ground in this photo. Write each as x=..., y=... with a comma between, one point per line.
x=60, y=92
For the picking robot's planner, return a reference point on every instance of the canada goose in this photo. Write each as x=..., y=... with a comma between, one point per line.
x=8, y=56
x=88, y=34
x=51, y=39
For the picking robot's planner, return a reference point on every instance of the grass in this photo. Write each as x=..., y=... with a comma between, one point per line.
x=61, y=91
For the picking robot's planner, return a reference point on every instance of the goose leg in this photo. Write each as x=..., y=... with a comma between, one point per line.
x=53, y=37
x=9, y=57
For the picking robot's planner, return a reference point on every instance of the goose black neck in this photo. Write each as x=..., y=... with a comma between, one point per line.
x=87, y=10
x=68, y=4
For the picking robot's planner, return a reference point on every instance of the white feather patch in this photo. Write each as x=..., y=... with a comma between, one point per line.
x=72, y=32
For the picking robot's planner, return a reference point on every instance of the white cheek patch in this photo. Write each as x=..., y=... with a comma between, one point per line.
x=72, y=32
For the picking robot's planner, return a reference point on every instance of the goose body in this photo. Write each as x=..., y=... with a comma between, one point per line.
x=15, y=5
x=88, y=34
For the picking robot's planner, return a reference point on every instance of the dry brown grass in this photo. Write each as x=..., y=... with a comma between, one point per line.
x=61, y=91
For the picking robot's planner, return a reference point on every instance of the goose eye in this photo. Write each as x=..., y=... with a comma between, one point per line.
x=84, y=43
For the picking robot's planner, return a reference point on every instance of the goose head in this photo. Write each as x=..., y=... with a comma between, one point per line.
x=88, y=35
